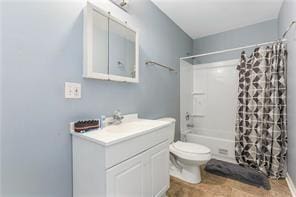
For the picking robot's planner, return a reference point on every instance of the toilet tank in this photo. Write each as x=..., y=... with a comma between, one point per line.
x=172, y=127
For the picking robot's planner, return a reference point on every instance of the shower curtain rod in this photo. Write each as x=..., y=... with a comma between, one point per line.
x=283, y=39
x=229, y=50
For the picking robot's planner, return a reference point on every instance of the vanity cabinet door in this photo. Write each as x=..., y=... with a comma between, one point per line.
x=127, y=179
x=145, y=175
x=159, y=166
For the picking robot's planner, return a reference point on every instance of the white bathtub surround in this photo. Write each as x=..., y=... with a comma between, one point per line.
x=186, y=84
x=186, y=158
x=209, y=93
x=129, y=159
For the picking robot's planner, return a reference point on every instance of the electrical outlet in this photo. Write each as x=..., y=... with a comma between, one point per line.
x=72, y=90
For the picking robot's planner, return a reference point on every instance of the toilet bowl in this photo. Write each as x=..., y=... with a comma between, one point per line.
x=189, y=157
x=186, y=158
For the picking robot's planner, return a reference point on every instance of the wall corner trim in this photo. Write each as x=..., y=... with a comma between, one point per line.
x=291, y=185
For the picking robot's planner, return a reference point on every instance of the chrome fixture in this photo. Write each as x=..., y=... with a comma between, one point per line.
x=288, y=29
x=119, y=63
x=122, y=4
x=161, y=65
x=190, y=126
x=117, y=117
x=187, y=116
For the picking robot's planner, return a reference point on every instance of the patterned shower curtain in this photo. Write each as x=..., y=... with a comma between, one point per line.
x=261, y=125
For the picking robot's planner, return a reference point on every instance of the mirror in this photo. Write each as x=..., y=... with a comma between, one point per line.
x=100, y=43
x=122, y=50
x=110, y=47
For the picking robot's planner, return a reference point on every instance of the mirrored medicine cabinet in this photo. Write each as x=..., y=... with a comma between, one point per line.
x=110, y=47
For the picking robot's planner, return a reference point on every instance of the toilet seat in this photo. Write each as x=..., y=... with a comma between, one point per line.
x=190, y=151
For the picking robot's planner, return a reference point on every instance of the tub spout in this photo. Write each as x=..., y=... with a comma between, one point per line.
x=190, y=125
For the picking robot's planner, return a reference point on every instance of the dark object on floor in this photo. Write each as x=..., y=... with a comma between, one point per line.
x=85, y=125
x=234, y=171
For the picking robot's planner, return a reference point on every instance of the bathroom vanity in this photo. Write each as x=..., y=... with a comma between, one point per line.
x=129, y=159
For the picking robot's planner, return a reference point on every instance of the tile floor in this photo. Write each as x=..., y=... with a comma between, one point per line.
x=214, y=186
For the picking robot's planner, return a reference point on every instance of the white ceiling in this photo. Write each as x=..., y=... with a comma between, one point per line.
x=200, y=18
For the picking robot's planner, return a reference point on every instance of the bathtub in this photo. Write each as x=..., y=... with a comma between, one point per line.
x=222, y=148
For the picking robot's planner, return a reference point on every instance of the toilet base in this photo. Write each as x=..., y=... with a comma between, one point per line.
x=188, y=173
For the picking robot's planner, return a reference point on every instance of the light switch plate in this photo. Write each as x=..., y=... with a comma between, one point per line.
x=72, y=90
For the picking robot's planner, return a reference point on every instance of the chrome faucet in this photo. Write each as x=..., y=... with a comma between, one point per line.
x=117, y=117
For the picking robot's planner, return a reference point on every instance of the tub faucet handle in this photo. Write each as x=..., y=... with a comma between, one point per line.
x=187, y=116
x=190, y=125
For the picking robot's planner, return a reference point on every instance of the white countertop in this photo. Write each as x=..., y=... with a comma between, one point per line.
x=116, y=133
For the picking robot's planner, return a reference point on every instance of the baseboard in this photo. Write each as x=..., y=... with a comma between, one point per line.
x=291, y=185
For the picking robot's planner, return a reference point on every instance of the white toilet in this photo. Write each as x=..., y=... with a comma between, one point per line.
x=186, y=158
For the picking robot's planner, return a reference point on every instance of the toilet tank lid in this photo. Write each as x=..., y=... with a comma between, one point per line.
x=168, y=119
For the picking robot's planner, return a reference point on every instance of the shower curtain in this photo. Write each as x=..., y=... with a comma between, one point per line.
x=261, y=125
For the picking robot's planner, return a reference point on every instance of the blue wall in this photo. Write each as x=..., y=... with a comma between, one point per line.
x=42, y=48
x=0, y=104
x=288, y=14
x=252, y=34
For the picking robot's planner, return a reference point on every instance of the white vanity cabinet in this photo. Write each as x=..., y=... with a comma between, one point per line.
x=143, y=175
x=119, y=163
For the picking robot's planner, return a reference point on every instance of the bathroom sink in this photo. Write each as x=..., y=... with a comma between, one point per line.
x=130, y=127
